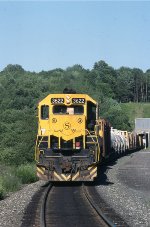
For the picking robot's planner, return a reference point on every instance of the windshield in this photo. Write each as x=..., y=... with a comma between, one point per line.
x=71, y=110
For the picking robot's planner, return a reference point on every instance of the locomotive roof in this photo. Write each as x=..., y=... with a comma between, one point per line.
x=87, y=97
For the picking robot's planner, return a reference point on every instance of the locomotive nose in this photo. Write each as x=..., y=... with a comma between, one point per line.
x=68, y=126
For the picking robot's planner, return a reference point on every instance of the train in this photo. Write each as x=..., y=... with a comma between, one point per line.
x=72, y=139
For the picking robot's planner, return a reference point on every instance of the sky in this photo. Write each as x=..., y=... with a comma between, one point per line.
x=58, y=34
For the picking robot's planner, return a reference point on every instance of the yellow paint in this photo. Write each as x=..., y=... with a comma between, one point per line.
x=75, y=176
x=93, y=171
x=58, y=176
x=94, y=175
x=41, y=170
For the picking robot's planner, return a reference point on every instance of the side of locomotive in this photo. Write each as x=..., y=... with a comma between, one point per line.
x=68, y=140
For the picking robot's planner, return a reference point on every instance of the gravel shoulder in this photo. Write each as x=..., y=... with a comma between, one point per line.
x=125, y=186
x=12, y=208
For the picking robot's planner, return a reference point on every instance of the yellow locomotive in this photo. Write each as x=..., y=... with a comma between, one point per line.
x=70, y=141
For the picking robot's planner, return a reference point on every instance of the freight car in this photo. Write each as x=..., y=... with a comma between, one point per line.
x=72, y=140
x=123, y=141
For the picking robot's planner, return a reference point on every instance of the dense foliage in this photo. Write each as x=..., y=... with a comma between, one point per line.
x=21, y=90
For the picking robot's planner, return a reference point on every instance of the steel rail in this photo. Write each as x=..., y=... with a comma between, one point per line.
x=43, y=206
x=96, y=208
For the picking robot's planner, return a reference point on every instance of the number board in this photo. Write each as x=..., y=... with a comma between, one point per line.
x=57, y=100
x=78, y=100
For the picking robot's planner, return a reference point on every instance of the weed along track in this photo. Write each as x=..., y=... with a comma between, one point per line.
x=71, y=204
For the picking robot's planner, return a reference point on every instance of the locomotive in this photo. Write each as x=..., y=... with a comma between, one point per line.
x=72, y=139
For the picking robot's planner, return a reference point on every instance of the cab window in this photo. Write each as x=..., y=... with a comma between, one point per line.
x=71, y=110
x=44, y=112
x=91, y=115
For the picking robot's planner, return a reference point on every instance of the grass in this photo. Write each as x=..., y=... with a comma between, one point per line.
x=26, y=173
x=136, y=110
x=12, y=178
x=10, y=183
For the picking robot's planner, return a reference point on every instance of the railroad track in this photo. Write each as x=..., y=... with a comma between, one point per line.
x=72, y=205
x=97, y=209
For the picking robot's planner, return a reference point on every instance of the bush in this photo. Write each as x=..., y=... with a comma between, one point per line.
x=13, y=177
x=10, y=183
x=26, y=173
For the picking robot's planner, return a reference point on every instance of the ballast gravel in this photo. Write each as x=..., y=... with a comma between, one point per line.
x=13, y=207
x=126, y=188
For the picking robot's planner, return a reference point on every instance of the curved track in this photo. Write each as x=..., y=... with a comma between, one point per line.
x=96, y=208
x=71, y=205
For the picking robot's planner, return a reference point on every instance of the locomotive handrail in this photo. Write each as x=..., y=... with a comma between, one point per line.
x=40, y=142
